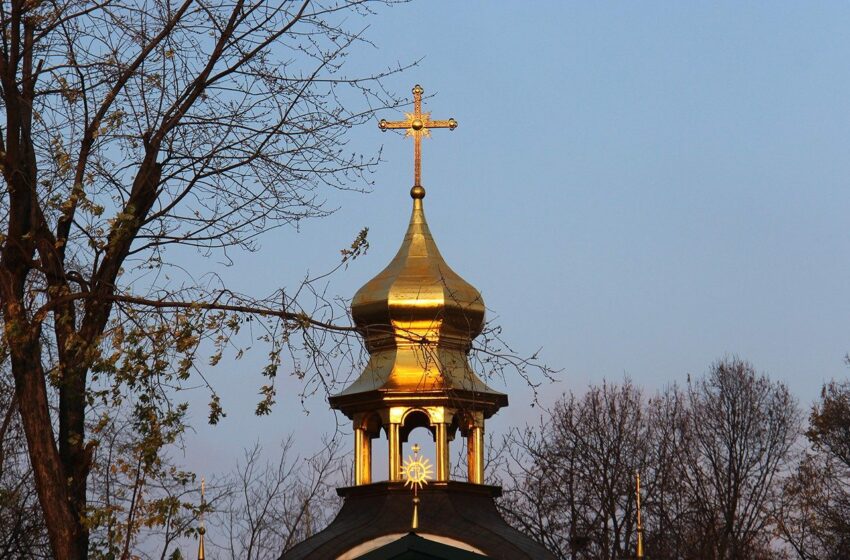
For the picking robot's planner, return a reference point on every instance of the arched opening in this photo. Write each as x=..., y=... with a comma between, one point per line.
x=380, y=451
x=431, y=428
x=416, y=429
x=413, y=419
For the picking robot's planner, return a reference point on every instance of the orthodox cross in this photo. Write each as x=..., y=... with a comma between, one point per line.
x=418, y=124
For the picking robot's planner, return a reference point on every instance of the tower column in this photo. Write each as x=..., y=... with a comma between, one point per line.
x=362, y=457
x=394, y=451
x=475, y=454
x=358, y=451
x=442, y=441
x=366, y=457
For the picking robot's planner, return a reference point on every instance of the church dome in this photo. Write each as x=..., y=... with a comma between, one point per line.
x=418, y=298
x=418, y=319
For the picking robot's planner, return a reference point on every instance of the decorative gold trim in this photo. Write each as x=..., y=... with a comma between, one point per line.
x=417, y=472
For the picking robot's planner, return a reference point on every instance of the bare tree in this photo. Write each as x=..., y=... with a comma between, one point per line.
x=739, y=432
x=131, y=127
x=816, y=518
x=269, y=508
x=254, y=512
x=666, y=505
x=829, y=423
x=572, y=478
x=712, y=459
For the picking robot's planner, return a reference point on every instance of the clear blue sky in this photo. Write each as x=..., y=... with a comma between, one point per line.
x=637, y=188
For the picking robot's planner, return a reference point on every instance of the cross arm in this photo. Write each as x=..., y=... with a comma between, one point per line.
x=391, y=125
x=451, y=124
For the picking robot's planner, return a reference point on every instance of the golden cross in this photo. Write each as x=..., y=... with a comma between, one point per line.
x=418, y=124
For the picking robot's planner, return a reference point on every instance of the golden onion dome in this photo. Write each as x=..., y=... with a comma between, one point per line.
x=418, y=298
x=418, y=319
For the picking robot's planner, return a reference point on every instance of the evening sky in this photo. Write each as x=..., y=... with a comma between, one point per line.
x=636, y=189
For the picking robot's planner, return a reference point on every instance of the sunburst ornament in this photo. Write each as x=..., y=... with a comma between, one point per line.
x=417, y=471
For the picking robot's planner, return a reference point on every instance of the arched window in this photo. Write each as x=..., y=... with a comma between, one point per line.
x=416, y=429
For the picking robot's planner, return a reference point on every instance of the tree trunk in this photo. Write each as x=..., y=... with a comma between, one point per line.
x=68, y=538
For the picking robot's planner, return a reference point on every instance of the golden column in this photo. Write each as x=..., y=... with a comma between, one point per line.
x=394, y=451
x=362, y=456
x=441, y=438
x=475, y=454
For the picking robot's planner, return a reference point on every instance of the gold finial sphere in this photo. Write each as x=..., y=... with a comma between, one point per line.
x=201, y=530
x=417, y=124
x=452, y=124
x=417, y=192
x=418, y=89
x=383, y=124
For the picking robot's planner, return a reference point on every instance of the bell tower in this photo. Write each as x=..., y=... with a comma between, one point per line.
x=418, y=319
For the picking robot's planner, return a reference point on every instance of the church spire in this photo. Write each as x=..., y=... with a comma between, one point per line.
x=639, y=551
x=418, y=319
x=202, y=529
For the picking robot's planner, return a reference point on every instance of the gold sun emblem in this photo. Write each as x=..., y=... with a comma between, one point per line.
x=417, y=470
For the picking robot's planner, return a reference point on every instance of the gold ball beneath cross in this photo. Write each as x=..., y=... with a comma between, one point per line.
x=417, y=192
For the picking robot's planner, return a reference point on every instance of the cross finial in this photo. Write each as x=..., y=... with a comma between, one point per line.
x=418, y=124
x=639, y=550
x=202, y=529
